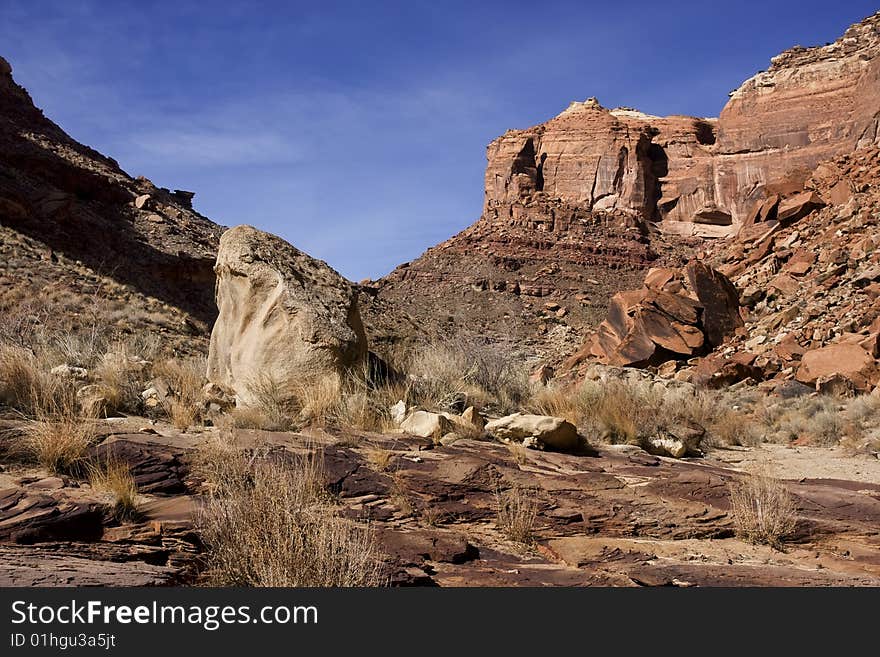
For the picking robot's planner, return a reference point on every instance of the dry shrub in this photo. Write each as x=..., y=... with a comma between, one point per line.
x=633, y=412
x=764, y=511
x=519, y=452
x=826, y=427
x=330, y=400
x=824, y=420
x=185, y=380
x=380, y=459
x=517, y=513
x=863, y=410
x=270, y=524
x=734, y=428
x=400, y=495
x=577, y=404
x=27, y=386
x=272, y=411
x=115, y=478
x=59, y=442
x=119, y=375
x=481, y=374
x=432, y=516
x=319, y=400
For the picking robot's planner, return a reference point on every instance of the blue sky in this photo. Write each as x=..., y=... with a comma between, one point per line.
x=357, y=130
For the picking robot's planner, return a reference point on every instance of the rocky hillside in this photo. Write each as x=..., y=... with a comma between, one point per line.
x=83, y=243
x=580, y=207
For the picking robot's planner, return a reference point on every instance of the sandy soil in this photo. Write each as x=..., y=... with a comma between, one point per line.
x=802, y=462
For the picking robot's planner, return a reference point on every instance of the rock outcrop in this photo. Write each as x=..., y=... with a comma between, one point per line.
x=810, y=284
x=677, y=314
x=812, y=104
x=285, y=318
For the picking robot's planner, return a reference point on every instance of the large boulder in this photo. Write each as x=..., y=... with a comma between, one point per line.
x=285, y=317
x=839, y=361
x=677, y=314
x=537, y=431
x=719, y=299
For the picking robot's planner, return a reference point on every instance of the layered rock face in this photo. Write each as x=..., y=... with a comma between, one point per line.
x=601, y=159
x=285, y=318
x=82, y=241
x=812, y=104
x=571, y=205
x=565, y=224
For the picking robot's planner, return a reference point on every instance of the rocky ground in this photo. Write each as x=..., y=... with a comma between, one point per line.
x=617, y=516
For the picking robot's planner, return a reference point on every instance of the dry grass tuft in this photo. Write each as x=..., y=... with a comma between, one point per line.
x=400, y=495
x=115, y=478
x=432, y=516
x=519, y=453
x=733, y=428
x=272, y=412
x=27, y=386
x=517, y=513
x=577, y=404
x=59, y=443
x=764, y=511
x=185, y=379
x=270, y=524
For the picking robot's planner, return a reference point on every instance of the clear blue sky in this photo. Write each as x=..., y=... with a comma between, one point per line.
x=357, y=130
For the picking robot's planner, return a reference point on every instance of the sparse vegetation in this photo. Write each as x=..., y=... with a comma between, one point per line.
x=517, y=513
x=28, y=386
x=269, y=523
x=732, y=428
x=400, y=495
x=185, y=379
x=519, y=453
x=763, y=509
x=467, y=372
x=380, y=459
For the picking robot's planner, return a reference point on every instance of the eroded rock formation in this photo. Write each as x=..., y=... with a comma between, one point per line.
x=285, y=317
x=676, y=314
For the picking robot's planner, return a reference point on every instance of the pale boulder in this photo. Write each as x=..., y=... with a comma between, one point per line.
x=285, y=318
x=538, y=431
x=427, y=425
